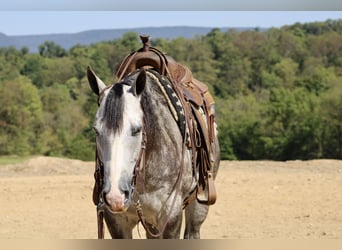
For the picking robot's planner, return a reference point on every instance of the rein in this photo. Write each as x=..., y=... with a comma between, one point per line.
x=100, y=203
x=177, y=190
x=141, y=165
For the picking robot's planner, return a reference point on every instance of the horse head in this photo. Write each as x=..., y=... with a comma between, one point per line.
x=118, y=126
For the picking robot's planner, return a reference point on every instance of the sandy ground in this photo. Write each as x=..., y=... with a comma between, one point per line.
x=50, y=198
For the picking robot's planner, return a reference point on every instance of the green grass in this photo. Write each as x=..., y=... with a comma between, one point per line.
x=12, y=159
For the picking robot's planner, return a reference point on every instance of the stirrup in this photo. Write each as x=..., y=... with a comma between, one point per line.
x=207, y=194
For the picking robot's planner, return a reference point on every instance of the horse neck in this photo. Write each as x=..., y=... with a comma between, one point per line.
x=163, y=151
x=159, y=122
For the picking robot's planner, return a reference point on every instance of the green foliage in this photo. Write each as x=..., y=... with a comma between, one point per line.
x=291, y=124
x=12, y=159
x=21, y=117
x=332, y=120
x=50, y=49
x=238, y=122
x=278, y=93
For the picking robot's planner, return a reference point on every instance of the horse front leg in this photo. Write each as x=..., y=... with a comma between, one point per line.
x=195, y=215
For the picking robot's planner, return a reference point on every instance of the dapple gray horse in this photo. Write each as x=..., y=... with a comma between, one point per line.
x=134, y=117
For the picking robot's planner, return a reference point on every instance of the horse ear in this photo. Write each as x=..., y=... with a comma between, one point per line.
x=96, y=84
x=139, y=85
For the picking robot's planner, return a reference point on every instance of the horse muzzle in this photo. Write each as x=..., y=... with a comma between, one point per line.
x=117, y=202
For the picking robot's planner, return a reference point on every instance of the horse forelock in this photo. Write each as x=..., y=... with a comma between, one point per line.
x=114, y=108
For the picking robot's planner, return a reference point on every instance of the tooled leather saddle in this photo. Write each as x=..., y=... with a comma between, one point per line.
x=198, y=105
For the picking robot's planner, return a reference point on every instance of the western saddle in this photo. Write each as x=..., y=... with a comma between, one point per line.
x=199, y=111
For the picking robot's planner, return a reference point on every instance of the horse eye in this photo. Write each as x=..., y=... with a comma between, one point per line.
x=135, y=130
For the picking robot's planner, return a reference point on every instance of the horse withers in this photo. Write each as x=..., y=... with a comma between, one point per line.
x=147, y=171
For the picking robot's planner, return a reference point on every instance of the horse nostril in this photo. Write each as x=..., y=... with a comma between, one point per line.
x=104, y=194
x=126, y=193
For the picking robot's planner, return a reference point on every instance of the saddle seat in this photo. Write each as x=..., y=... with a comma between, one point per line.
x=149, y=57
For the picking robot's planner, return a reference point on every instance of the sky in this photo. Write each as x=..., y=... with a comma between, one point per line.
x=51, y=22
x=170, y=5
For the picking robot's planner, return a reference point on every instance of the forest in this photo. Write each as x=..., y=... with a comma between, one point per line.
x=278, y=92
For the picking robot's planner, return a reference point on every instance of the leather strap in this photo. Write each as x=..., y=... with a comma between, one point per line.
x=100, y=225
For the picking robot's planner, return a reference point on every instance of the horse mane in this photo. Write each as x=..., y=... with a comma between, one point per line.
x=172, y=100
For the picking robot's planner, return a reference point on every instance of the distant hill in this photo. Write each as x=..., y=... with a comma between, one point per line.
x=93, y=36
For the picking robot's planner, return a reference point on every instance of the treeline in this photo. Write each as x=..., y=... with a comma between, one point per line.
x=278, y=92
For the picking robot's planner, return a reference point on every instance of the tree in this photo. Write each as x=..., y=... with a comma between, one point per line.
x=21, y=117
x=292, y=125
x=10, y=63
x=239, y=127
x=129, y=42
x=277, y=92
x=328, y=47
x=286, y=69
x=332, y=118
x=316, y=78
x=63, y=119
x=51, y=49
x=33, y=68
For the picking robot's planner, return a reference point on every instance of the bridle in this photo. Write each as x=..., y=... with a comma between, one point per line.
x=139, y=164
x=139, y=167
